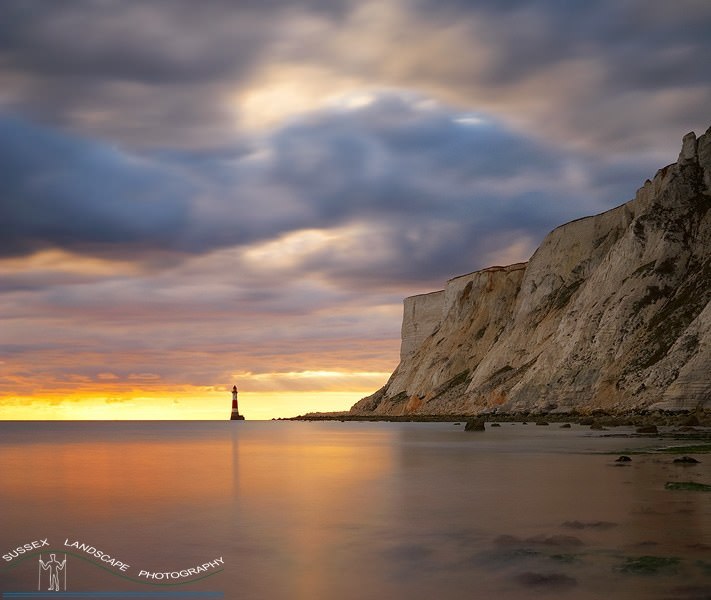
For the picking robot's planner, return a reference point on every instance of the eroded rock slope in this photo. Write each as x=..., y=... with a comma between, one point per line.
x=611, y=312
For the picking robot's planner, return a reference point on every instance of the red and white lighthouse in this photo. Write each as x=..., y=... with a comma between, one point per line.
x=235, y=406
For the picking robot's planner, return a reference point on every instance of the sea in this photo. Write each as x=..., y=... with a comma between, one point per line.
x=291, y=510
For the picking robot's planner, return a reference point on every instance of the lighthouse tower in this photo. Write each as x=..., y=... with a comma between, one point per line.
x=235, y=407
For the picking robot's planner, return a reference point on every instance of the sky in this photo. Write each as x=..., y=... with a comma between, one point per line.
x=201, y=194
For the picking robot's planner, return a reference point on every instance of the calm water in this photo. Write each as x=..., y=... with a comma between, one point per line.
x=355, y=510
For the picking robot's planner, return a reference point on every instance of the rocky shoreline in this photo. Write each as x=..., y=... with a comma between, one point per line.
x=693, y=429
x=689, y=420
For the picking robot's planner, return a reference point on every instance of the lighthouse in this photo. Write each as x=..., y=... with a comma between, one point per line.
x=235, y=407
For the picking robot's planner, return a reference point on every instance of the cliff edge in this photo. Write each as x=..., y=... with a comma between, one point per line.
x=611, y=312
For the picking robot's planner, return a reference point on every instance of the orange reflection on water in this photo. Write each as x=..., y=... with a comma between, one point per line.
x=311, y=487
x=102, y=481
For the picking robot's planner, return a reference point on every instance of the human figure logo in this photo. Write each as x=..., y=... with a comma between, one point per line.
x=55, y=567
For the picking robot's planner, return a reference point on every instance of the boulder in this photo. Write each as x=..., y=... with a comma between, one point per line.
x=686, y=460
x=647, y=429
x=475, y=425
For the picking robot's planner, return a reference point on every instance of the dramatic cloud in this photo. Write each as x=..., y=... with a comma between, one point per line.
x=399, y=189
x=605, y=73
x=200, y=192
x=159, y=72
x=58, y=190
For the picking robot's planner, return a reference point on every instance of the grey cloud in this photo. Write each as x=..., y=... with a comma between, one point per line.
x=607, y=74
x=638, y=69
x=436, y=190
x=615, y=178
x=161, y=41
x=420, y=162
x=392, y=128
x=62, y=191
x=153, y=73
x=630, y=37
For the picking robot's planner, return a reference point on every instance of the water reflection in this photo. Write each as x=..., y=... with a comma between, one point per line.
x=304, y=496
x=353, y=510
x=103, y=481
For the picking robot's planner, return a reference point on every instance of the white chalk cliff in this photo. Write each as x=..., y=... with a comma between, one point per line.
x=611, y=312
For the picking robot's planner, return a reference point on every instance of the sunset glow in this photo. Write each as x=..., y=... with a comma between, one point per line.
x=247, y=202
x=178, y=405
x=105, y=403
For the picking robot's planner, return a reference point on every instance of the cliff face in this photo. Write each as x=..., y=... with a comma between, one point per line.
x=612, y=311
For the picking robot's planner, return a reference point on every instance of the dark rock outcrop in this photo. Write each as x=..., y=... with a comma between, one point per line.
x=475, y=425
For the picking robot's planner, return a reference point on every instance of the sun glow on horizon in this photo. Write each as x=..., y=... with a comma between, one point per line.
x=198, y=403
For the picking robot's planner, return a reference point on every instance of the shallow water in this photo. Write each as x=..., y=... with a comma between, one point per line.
x=355, y=510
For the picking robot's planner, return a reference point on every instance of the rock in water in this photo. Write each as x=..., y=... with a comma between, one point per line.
x=475, y=425
x=611, y=312
x=647, y=429
x=686, y=460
